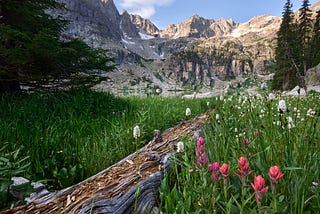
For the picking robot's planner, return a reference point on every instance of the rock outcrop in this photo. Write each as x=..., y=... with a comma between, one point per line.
x=199, y=27
x=145, y=25
x=197, y=51
x=97, y=18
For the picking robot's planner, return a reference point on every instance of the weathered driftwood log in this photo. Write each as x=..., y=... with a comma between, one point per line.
x=113, y=190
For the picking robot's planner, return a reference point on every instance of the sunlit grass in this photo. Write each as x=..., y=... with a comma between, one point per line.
x=254, y=129
x=72, y=135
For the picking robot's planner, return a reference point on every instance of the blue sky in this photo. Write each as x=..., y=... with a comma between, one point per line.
x=164, y=12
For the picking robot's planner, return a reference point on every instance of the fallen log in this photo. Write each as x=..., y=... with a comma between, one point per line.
x=113, y=190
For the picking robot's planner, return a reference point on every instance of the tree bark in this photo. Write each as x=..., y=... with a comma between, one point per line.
x=113, y=190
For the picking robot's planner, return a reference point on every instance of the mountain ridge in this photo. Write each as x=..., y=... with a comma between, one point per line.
x=198, y=51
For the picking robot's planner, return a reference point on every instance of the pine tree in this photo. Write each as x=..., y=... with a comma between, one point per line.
x=304, y=36
x=31, y=52
x=315, y=42
x=285, y=53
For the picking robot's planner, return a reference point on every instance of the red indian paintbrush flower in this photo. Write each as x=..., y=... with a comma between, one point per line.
x=224, y=169
x=275, y=175
x=214, y=168
x=201, y=154
x=259, y=187
x=244, y=166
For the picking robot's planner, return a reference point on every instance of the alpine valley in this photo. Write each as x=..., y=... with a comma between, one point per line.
x=203, y=54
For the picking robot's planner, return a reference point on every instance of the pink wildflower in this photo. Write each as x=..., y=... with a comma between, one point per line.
x=244, y=166
x=275, y=175
x=224, y=169
x=259, y=187
x=200, y=142
x=246, y=141
x=201, y=156
x=214, y=168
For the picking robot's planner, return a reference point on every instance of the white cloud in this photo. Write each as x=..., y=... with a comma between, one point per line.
x=144, y=8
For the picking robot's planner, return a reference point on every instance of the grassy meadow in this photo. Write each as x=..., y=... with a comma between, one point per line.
x=61, y=138
x=231, y=172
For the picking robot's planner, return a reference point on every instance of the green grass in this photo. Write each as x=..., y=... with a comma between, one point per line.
x=295, y=150
x=61, y=138
x=69, y=136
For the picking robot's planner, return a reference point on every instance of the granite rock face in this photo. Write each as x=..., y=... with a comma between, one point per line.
x=198, y=51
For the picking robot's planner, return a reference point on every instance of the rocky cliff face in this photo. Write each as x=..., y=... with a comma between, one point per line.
x=99, y=18
x=198, y=27
x=145, y=25
x=197, y=51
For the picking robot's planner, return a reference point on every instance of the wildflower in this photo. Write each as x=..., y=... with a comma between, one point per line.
x=213, y=166
x=136, y=132
x=282, y=107
x=264, y=86
x=200, y=141
x=310, y=113
x=180, y=147
x=256, y=132
x=259, y=187
x=215, y=170
x=246, y=141
x=275, y=175
x=290, y=122
x=224, y=169
x=217, y=116
x=244, y=166
x=271, y=97
x=315, y=184
x=201, y=154
x=188, y=112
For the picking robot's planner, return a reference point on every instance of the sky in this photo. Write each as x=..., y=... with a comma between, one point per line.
x=165, y=12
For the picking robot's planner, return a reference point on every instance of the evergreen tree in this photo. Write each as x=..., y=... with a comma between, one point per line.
x=315, y=42
x=285, y=54
x=31, y=52
x=304, y=36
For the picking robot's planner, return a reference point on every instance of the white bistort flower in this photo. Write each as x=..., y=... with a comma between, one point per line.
x=282, y=107
x=311, y=113
x=271, y=97
x=180, y=147
x=188, y=112
x=136, y=132
x=290, y=122
x=217, y=116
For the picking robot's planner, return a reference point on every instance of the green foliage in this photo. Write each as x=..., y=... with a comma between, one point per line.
x=297, y=47
x=11, y=165
x=188, y=188
x=32, y=52
x=71, y=135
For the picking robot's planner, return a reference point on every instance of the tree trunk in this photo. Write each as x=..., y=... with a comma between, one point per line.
x=113, y=190
x=9, y=85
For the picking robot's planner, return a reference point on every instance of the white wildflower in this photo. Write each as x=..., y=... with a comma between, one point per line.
x=188, y=112
x=271, y=97
x=180, y=147
x=282, y=107
x=311, y=113
x=290, y=122
x=136, y=132
x=217, y=116
x=264, y=86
